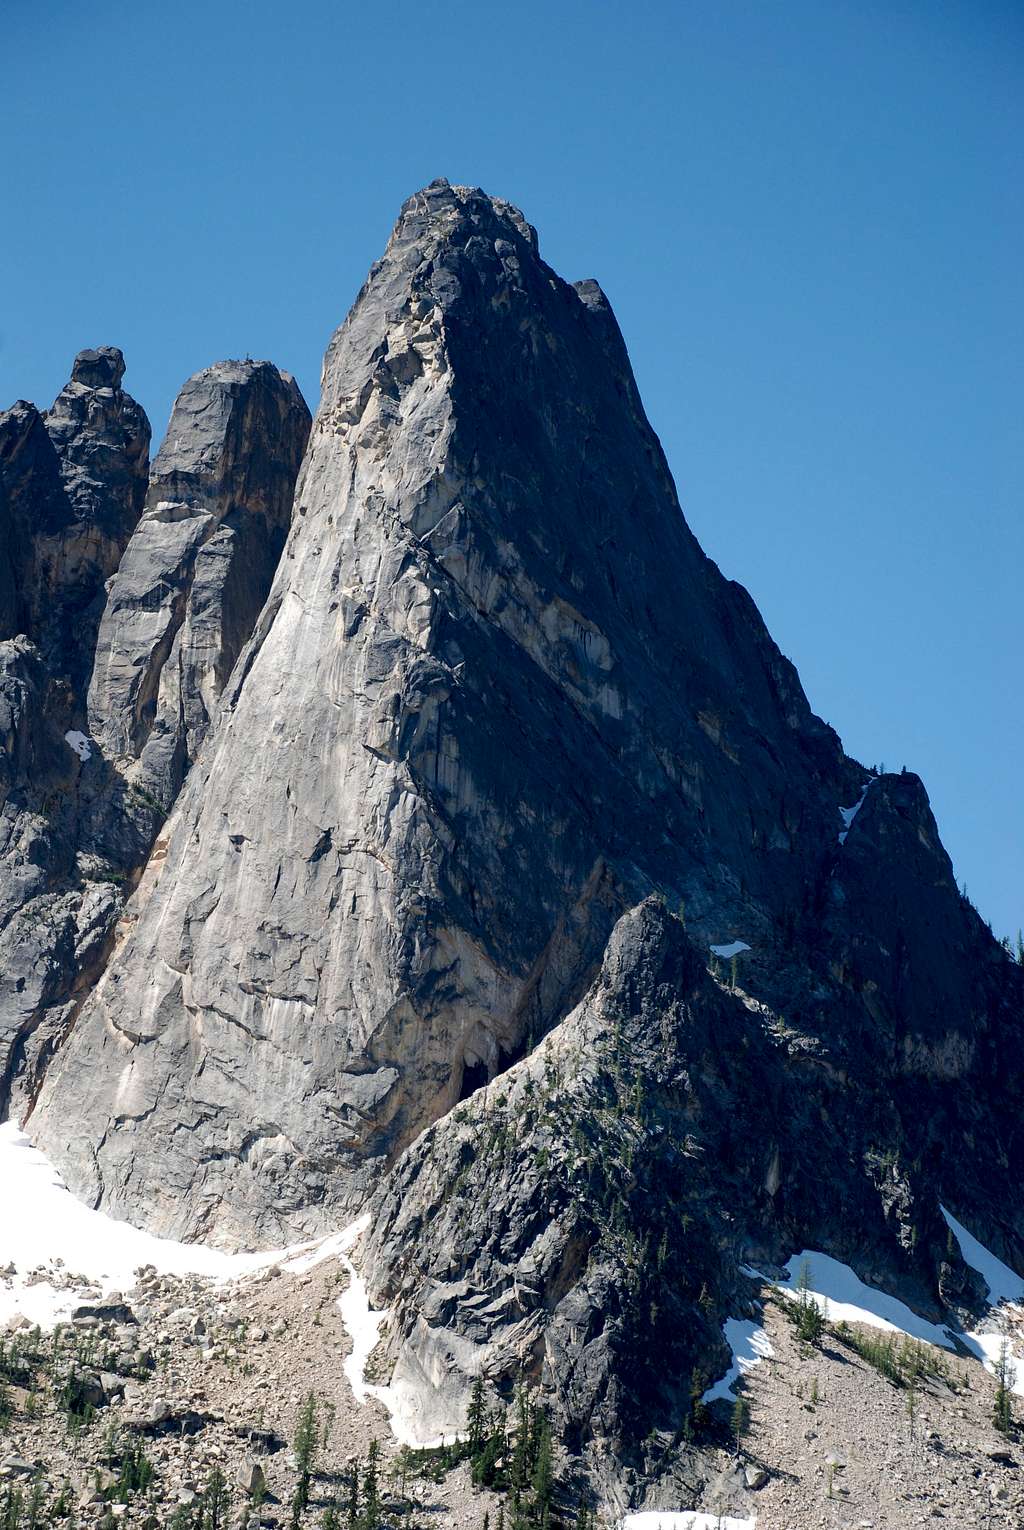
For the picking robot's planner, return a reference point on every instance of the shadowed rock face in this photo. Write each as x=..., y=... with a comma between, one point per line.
x=496, y=697
x=75, y=823
x=72, y=483
x=585, y=1219
x=197, y=569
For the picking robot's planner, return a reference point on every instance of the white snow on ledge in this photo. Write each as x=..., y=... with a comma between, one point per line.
x=49, y=1236
x=750, y=1345
x=1003, y=1284
x=843, y=1297
x=685, y=1519
x=80, y=743
x=850, y=813
x=409, y=1407
x=731, y=950
x=1005, y=1291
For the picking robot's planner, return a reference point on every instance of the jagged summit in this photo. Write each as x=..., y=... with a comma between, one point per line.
x=112, y=627
x=497, y=696
x=100, y=368
x=492, y=873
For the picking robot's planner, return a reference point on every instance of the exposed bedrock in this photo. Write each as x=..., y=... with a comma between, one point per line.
x=72, y=482
x=197, y=570
x=75, y=824
x=497, y=695
x=585, y=1220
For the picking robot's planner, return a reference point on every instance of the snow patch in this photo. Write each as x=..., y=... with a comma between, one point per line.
x=407, y=1409
x=685, y=1519
x=850, y=813
x=80, y=743
x=1003, y=1284
x=750, y=1345
x=844, y=1298
x=45, y=1231
x=731, y=950
x=1005, y=1292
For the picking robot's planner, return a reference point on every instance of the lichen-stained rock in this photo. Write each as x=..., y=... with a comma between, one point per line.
x=197, y=570
x=72, y=482
x=497, y=694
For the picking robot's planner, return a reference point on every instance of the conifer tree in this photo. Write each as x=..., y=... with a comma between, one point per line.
x=810, y=1320
x=354, y=1501
x=215, y=1500
x=542, y=1481
x=740, y=1420
x=1002, y=1411
x=476, y=1418
x=371, y=1490
x=307, y=1438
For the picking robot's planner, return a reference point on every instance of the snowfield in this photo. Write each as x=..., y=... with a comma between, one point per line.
x=49, y=1237
x=850, y=813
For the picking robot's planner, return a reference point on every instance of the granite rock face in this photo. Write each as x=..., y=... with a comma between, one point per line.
x=586, y=1220
x=72, y=482
x=75, y=826
x=496, y=698
x=515, y=892
x=197, y=570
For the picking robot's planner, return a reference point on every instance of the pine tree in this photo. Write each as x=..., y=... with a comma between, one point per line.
x=519, y=1467
x=542, y=1481
x=353, y=1515
x=33, y=1509
x=307, y=1438
x=740, y=1420
x=1002, y=1410
x=330, y=1520
x=371, y=1490
x=215, y=1500
x=810, y=1320
x=476, y=1418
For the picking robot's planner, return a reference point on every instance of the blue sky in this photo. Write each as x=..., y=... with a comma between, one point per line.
x=808, y=217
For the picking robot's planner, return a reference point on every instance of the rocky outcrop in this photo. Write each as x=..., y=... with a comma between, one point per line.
x=497, y=696
x=197, y=569
x=72, y=482
x=585, y=1221
x=515, y=893
x=74, y=830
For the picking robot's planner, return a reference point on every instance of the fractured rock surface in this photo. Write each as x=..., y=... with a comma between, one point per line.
x=496, y=697
x=73, y=830
x=72, y=481
x=198, y=567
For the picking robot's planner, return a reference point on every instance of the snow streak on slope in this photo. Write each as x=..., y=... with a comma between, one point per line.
x=845, y=1298
x=1006, y=1313
x=750, y=1345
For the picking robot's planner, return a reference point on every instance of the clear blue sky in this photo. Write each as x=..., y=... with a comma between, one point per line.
x=806, y=213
